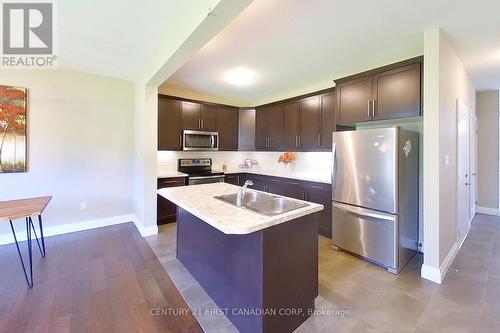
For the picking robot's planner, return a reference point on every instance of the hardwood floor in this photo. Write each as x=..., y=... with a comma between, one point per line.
x=100, y=280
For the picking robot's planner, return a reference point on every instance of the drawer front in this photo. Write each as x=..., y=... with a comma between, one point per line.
x=370, y=237
x=171, y=182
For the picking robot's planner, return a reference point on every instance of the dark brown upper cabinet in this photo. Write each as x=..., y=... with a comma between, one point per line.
x=291, y=119
x=208, y=115
x=176, y=114
x=310, y=123
x=196, y=116
x=389, y=92
x=169, y=124
x=327, y=105
x=269, y=127
x=227, y=125
x=396, y=93
x=190, y=115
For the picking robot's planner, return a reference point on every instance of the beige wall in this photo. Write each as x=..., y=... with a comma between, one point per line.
x=80, y=132
x=454, y=83
x=488, y=136
x=445, y=81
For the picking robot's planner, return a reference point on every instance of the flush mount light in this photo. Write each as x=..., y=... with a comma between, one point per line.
x=239, y=76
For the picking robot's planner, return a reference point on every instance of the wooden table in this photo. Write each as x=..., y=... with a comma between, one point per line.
x=26, y=208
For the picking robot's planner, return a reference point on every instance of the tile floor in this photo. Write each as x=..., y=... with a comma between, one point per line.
x=366, y=298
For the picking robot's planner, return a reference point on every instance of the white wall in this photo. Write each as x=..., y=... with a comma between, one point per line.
x=445, y=81
x=488, y=149
x=80, y=133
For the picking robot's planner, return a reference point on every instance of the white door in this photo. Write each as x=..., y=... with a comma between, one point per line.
x=463, y=179
x=473, y=166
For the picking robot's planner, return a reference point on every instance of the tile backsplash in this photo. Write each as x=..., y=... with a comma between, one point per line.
x=306, y=162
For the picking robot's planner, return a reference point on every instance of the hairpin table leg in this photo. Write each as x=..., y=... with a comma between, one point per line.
x=30, y=251
x=19, y=252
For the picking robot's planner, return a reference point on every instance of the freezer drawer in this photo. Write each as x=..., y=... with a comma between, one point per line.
x=367, y=233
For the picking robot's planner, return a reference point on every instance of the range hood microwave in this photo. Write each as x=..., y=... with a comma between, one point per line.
x=200, y=140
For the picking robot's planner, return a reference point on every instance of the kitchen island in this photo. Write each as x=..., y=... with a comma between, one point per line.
x=261, y=271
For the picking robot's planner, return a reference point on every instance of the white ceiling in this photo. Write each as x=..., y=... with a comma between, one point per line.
x=303, y=44
x=116, y=37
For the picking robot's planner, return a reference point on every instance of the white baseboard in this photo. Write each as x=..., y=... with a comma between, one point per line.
x=73, y=227
x=143, y=230
x=488, y=211
x=437, y=275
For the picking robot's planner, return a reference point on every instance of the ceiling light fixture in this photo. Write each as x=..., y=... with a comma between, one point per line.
x=240, y=76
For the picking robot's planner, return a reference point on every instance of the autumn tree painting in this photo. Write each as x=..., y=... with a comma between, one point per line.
x=12, y=129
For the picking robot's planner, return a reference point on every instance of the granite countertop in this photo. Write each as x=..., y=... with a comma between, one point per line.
x=291, y=174
x=170, y=174
x=199, y=200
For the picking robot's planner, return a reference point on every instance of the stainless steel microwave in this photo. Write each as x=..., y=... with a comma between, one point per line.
x=200, y=140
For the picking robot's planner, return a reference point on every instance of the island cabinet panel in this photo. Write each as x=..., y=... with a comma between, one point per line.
x=259, y=270
x=169, y=124
x=166, y=210
x=227, y=126
x=389, y=92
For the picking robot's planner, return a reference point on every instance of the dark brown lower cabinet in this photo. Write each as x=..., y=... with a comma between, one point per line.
x=303, y=190
x=233, y=178
x=166, y=210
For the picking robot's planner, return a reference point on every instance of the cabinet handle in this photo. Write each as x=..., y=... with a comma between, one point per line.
x=299, y=142
x=180, y=140
x=202, y=123
x=296, y=141
x=373, y=108
x=319, y=139
x=368, y=108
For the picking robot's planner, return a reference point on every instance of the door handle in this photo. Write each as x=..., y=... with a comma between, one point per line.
x=467, y=184
x=212, y=141
x=364, y=213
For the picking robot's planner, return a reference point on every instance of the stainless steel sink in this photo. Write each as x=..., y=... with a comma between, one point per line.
x=263, y=203
x=250, y=198
x=276, y=206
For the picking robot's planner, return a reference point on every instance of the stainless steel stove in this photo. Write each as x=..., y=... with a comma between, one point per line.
x=199, y=171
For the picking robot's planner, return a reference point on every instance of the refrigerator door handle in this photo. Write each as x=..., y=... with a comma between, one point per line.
x=363, y=212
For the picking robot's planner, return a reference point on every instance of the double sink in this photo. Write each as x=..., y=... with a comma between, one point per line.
x=263, y=203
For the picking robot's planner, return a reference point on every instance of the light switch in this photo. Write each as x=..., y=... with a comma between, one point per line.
x=446, y=160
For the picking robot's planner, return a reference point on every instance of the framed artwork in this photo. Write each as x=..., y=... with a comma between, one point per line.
x=13, y=141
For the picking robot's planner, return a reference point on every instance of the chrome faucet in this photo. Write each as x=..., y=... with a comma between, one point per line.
x=241, y=193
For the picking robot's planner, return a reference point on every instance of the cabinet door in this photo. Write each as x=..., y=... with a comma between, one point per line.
x=232, y=179
x=166, y=211
x=261, y=128
x=327, y=105
x=321, y=194
x=353, y=100
x=259, y=183
x=227, y=126
x=291, y=116
x=190, y=115
x=208, y=117
x=276, y=186
x=397, y=93
x=169, y=124
x=275, y=116
x=310, y=119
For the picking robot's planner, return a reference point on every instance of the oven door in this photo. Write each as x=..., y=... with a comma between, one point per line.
x=205, y=180
x=200, y=140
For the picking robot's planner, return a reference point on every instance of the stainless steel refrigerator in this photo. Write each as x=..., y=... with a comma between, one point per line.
x=375, y=195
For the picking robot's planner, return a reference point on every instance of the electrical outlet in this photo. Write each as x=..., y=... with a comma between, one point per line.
x=83, y=205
